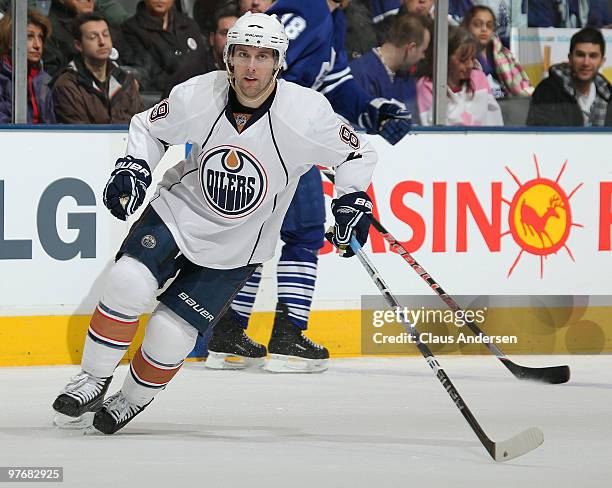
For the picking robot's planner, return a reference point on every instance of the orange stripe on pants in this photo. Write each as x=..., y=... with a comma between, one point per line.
x=113, y=329
x=149, y=373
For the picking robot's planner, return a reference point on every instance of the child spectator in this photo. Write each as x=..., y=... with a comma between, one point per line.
x=506, y=76
x=470, y=100
x=40, y=102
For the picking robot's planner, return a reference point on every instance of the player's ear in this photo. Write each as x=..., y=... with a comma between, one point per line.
x=77, y=46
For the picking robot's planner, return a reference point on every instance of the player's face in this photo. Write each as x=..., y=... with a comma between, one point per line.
x=96, y=42
x=253, y=69
x=482, y=26
x=585, y=60
x=80, y=6
x=255, y=6
x=35, y=43
x=421, y=7
x=219, y=37
x=414, y=52
x=460, y=65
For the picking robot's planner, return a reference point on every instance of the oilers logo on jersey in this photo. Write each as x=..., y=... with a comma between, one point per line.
x=233, y=181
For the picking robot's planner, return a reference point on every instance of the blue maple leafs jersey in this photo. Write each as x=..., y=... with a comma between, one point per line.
x=316, y=57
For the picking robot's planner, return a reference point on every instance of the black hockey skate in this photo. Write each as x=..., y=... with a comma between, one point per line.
x=290, y=350
x=84, y=393
x=115, y=413
x=231, y=348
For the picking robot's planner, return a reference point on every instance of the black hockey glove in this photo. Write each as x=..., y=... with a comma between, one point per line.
x=387, y=118
x=127, y=186
x=352, y=215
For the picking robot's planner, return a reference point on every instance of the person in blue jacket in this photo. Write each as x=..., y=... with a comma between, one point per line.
x=385, y=71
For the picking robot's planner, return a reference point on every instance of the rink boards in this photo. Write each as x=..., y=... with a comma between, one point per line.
x=485, y=213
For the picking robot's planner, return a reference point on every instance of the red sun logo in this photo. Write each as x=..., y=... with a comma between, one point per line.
x=540, y=216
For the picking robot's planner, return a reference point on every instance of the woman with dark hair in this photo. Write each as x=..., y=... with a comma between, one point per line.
x=40, y=102
x=470, y=100
x=506, y=76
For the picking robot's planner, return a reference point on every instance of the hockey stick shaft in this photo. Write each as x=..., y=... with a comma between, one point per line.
x=521, y=444
x=553, y=374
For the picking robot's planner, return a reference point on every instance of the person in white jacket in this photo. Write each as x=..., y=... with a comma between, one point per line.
x=470, y=99
x=216, y=215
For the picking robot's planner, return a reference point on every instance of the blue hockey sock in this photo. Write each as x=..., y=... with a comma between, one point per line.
x=296, y=275
x=242, y=306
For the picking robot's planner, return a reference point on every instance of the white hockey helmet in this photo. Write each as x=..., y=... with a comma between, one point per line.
x=259, y=30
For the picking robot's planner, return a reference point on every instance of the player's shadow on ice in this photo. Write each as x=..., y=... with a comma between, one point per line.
x=233, y=435
x=269, y=434
x=230, y=435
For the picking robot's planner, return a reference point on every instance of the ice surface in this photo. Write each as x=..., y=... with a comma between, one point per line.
x=370, y=422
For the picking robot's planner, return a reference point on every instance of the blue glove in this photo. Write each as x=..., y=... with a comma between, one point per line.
x=352, y=214
x=388, y=118
x=127, y=186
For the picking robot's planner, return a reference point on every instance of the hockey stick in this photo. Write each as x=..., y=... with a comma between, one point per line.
x=549, y=374
x=511, y=448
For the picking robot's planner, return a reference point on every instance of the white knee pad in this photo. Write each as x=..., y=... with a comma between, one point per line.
x=168, y=339
x=130, y=287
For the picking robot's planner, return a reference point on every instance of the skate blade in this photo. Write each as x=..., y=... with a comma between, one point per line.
x=64, y=422
x=221, y=360
x=279, y=363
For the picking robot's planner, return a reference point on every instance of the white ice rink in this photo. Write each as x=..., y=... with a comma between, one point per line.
x=364, y=423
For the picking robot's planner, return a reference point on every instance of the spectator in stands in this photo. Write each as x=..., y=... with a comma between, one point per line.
x=546, y=13
x=568, y=13
x=470, y=100
x=114, y=11
x=506, y=76
x=360, y=32
x=456, y=8
x=224, y=20
x=575, y=93
x=205, y=10
x=507, y=13
x=162, y=39
x=591, y=13
x=40, y=102
x=420, y=7
x=60, y=49
x=212, y=58
x=382, y=12
x=93, y=89
x=254, y=6
x=384, y=71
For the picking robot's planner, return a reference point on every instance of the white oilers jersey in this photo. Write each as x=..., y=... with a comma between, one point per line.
x=226, y=202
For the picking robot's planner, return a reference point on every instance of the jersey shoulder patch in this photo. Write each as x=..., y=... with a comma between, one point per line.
x=348, y=136
x=160, y=111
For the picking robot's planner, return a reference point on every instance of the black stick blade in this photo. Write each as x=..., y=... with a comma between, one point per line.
x=551, y=374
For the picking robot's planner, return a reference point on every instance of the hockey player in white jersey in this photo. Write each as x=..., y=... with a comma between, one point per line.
x=216, y=215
